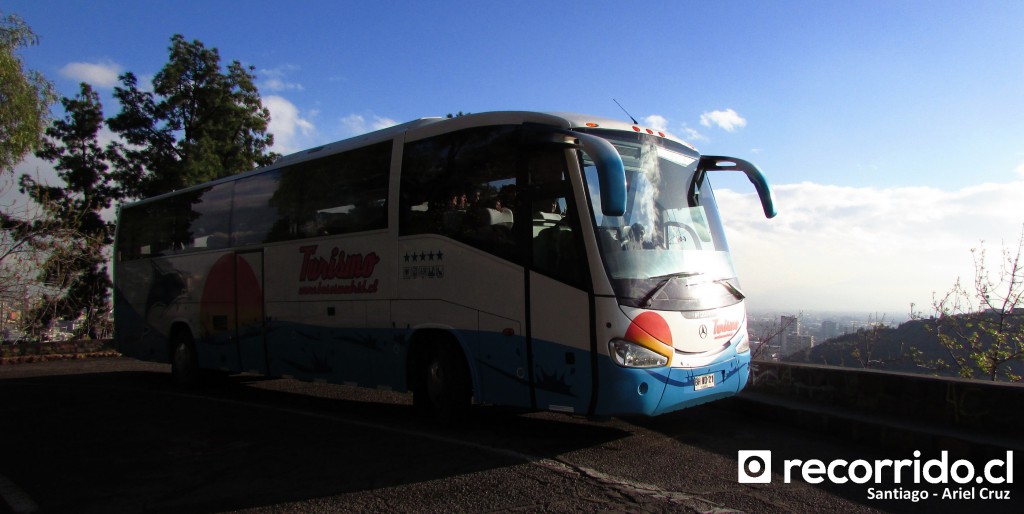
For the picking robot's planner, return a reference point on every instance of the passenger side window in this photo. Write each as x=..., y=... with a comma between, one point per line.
x=209, y=218
x=191, y=221
x=254, y=216
x=463, y=185
x=337, y=194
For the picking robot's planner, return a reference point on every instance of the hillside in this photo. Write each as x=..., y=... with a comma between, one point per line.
x=892, y=349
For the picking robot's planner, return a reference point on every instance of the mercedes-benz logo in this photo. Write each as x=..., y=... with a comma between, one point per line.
x=703, y=331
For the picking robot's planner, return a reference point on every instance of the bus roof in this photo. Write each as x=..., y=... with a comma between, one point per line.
x=427, y=127
x=587, y=121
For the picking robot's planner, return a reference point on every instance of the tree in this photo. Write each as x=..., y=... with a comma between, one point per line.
x=866, y=342
x=986, y=340
x=25, y=95
x=21, y=234
x=25, y=98
x=198, y=124
x=75, y=268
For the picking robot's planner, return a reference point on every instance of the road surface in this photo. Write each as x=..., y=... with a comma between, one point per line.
x=114, y=435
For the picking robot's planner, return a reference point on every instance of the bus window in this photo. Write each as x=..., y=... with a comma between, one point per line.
x=162, y=227
x=209, y=216
x=338, y=194
x=463, y=185
x=254, y=214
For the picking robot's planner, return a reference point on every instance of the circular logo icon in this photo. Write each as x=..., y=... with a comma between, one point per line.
x=703, y=331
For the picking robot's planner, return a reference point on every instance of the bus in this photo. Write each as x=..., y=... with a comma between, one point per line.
x=543, y=261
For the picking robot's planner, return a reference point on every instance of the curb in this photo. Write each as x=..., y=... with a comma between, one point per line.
x=29, y=359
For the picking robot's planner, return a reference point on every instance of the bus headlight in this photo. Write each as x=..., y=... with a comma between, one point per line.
x=744, y=345
x=631, y=355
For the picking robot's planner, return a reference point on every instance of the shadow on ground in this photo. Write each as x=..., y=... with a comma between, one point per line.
x=129, y=441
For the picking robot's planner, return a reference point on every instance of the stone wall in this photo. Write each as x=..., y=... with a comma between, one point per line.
x=990, y=408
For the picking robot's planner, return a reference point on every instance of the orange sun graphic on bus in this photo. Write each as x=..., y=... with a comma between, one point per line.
x=231, y=289
x=649, y=327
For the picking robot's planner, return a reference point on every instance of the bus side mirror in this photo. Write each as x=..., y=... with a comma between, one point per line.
x=764, y=191
x=611, y=173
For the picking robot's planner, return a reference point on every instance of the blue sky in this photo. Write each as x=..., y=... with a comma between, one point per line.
x=893, y=131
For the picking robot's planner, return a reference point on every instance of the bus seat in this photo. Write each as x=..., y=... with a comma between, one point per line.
x=543, y=220
x=502, y=217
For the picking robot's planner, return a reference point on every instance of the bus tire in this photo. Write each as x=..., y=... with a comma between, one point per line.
x=444, y=392
x=184, y=361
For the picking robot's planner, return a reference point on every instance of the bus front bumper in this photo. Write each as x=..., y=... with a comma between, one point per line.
x=656, y=391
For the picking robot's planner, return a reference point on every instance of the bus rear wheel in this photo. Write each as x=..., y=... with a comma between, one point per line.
x=444, y=387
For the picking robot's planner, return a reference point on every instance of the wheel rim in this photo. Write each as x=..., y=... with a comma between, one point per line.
x=184, y=364
x=435, y=381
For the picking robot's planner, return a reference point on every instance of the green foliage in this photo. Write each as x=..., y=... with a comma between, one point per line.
x=987, y=340
x=198, y=124
x=25, y=95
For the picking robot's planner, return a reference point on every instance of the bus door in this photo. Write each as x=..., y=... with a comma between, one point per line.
x=249, y=311
x=559, y=304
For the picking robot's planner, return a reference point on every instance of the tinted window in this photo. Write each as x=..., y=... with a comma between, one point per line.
x=463, y=185
x=338, y=194
x=190, y=221
x=254, y=215
x=210, y=216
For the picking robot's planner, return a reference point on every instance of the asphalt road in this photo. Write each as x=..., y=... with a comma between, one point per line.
x=113, y=435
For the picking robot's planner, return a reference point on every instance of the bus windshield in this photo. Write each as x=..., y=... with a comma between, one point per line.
x=670, y=238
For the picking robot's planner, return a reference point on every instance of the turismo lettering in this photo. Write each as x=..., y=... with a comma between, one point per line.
x=725, y=328
x=338, y=266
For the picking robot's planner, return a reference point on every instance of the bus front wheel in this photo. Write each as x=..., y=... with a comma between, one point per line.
x=444, y=389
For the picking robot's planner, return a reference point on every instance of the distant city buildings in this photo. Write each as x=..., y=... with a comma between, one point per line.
x=793, y=339
x=829, y=329
x=808, y=329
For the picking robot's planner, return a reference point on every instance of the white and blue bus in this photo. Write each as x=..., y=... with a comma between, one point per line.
x=545, y=261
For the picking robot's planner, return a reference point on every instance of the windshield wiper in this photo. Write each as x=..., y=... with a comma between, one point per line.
x=648, y=298
x=732, y=289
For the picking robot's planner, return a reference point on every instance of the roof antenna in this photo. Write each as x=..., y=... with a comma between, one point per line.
x=625, y=111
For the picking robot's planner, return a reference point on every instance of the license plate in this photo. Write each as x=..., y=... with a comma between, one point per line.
x=703, y=381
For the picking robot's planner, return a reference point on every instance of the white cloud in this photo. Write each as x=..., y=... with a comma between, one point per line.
x=356, y=124
x=656, y=122
x=728, y=120
x=869, y=249
x=1019, y=170
x=275, y=79
x=691, y=135
x=291, y=131
x=278, y=85
x=97, y=74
